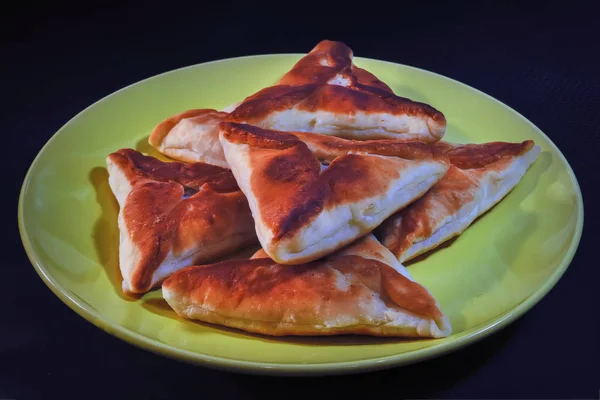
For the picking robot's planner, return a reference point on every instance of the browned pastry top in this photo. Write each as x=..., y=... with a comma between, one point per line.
x=292, y=176
x=458, y=187
x=261, y=288
x=326, y=60
x=421, y=218
x=191, y=175
x=161, y=217
x=326, y=147
x=349, y=100
x=470, y=156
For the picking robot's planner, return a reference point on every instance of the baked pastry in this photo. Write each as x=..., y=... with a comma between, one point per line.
x=326, y=60
x=480, y=176
x=324, y=93
x=304, y=210
x=173, y=215
x=191, y=136
x=362, y=289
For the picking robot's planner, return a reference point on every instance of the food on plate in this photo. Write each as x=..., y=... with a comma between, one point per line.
x=326, y=93
x=341, y=107
x=323, y=93
x=326, y=60
x=480, y=176
x=304, y=210
x=361, y=289
x=172, y=215
x=191, y=136
x=339, y=180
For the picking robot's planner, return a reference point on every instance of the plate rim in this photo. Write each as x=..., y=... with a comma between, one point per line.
x=139, y=340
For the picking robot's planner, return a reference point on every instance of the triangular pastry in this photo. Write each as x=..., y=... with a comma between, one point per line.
x=173, y=215
x=362, y=289
x=323, y=93
x=304, y=210
x=480, y=176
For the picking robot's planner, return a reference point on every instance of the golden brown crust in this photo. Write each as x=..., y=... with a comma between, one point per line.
x=309, y=69
x=192, y=175
x=356, y=97
x=291, y=178
x=469, y=156
x=260, y=289
x=146, y=200
x=420, y=219
x=326, y=82
x=293, y=190
x=366, y=78
x=159, y=218
x=326, y=60
x=326, y=148
x=460, y=187
x=257, y=137
x=290, y=175
x=161, y=130
x=324, y=92
x=322, y=63
x=347, y=100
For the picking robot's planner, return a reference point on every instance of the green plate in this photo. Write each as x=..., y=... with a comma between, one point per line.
x=485, y=279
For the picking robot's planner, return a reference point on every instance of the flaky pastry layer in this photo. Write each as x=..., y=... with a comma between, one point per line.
x=172, y=215
x=481, y=175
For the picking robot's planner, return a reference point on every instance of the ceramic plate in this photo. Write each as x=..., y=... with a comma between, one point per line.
x=485, y=279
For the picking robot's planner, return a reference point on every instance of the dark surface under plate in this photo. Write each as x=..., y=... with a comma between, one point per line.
x=538, y=58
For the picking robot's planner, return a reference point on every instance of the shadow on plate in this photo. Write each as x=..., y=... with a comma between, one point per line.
x=106, y=230
x=410, y=93
x=427, y=254
x=144, y=147
x=523, y=223
x=519, y=192
x=159, y=306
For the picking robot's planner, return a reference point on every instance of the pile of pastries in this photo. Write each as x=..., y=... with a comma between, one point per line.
x=332, y=177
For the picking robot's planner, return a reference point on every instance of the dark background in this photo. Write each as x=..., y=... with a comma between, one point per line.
x=539, y=58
